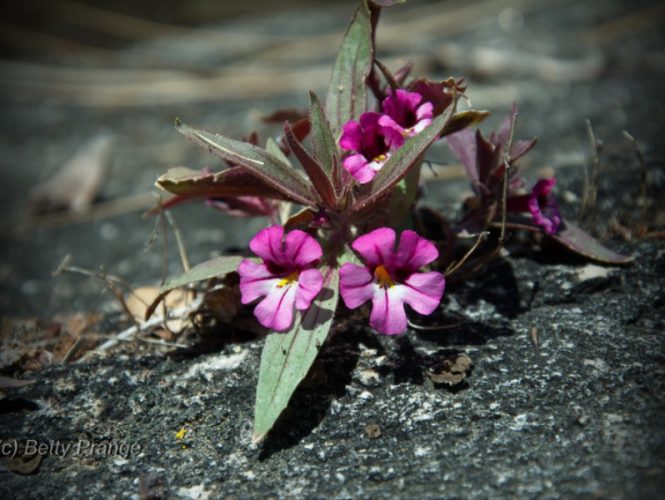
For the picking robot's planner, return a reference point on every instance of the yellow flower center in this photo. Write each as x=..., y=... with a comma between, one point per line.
x=380, y=158
x=383, y=277
x=288, y=280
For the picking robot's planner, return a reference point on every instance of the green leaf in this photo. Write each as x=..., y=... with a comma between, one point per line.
x=219, y=267
x=403, y=197
x=213, y=268
x=273, y=148
x=347, y=96
x=323, y=140
x=268, y=168
x=287, y=357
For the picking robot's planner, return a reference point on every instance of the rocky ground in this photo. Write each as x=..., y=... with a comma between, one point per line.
x=565, y=397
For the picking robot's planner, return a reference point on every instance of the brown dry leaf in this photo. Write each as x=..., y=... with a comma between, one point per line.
x=140, y=298
x=36, y=359
x=24, y=464
x=453, y=370
x=373, y=431
x=75, y=186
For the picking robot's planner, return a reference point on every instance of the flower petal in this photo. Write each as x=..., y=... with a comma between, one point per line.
x=310, y=283
x=392, y=131
x=543, y=206
x=276, y=310
x=543, y=187
x=358, y=166
x=356, y=285
x=425, y=111
x=388, y=315
x=301, y=249
x=376, y=247
x=413, y=253
x=256, y=280
x=267, y=244
x=352, y=135
x=398, y=104
x=424, y=291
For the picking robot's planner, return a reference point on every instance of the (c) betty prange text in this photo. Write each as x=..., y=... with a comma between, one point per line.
x=82, y=447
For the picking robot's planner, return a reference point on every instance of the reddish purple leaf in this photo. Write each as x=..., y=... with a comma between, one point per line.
x=574, y=239
x=314, y=170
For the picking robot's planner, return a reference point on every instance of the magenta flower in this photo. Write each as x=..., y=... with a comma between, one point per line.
x=390, y=278
x=542, y=205
x=286, y=277
x=404, y=116
x=367, y=138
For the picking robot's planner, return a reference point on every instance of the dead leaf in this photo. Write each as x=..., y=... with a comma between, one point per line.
x=76, y=185
x=373, y=431
x=452, y=370
x=24, y=464
x=140, y=299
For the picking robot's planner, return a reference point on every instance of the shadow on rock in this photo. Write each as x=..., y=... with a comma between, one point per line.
x=442, y=367
x=457, y=330
x=496, y=286
x=328, y=378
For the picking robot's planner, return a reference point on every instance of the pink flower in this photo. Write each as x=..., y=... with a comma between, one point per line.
x=542, y=205
x=404, y=116
x=367, y=138
x=390, y=278
x=286, y=277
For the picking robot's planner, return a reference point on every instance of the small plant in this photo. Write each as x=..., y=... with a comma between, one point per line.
x=357, y=186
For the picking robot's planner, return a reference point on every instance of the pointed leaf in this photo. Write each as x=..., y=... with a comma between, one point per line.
x=273, y=148
x=574, y=239
x=323, y=140
x=403, y=198
x=463, y=145
x=347, y=96
x=463, y=119
x=287, y=357
x=259, y=162
x=520, y=148
x=213, y=268
x=236, y=181
x=315, y=172
x=579, y=241
x=219, y=267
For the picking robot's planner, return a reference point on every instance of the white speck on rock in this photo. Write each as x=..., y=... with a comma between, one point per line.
x=598, y=364
x=216, y=363
x=249, y=475
x=368, y=377
x=591, y=271
x=422, y=451
x=520, y=422
x=197, y=492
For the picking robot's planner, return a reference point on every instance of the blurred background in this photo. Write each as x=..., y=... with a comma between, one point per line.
x=89, y=91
